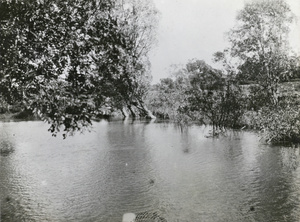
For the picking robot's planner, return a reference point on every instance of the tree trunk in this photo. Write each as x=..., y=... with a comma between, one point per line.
x=124, y=112
x=149, y=113
x=131, y=111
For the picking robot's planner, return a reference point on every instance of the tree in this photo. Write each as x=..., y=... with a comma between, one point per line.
x=260, y=46
x=138, y=20
x=260, y=42
x=167, y=97
x=213, y=98
x=198, y=93
x=65, y=60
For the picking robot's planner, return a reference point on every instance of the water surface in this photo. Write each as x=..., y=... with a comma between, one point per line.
x=138, y=167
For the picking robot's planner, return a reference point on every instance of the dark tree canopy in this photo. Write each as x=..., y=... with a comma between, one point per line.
x=66, y=60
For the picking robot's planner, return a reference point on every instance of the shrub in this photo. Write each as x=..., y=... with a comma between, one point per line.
x=280, y=124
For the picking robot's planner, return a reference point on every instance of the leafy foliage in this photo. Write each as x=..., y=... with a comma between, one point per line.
x=280, y=125
x=199, y=93
x=138, y=20
x=213, y=98
x=65, y=60
x=263, y=58
x=166, y=97
x=260, y=42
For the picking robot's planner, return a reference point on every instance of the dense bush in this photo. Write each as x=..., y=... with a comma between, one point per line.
x=214, y=97
x=201, y=94
x=278, y=125
x=220, y=108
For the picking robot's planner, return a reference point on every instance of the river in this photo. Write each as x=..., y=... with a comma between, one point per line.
x=145, y=168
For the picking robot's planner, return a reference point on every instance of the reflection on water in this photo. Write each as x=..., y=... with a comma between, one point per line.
x=145, y=168
x=6, y=144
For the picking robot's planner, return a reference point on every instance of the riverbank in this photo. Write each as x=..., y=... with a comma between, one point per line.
x=6, y=116
x=20, y=115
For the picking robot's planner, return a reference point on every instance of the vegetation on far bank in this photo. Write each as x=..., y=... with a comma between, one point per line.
x=254, y=88
x=68, y=62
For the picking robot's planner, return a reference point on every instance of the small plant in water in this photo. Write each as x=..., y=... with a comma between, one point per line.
x=5, y=151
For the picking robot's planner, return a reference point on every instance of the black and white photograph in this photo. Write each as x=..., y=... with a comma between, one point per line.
x=149, y=111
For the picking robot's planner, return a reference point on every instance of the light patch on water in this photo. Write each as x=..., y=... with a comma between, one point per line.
x=44, y=183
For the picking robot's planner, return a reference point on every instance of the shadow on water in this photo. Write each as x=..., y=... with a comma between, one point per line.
x=7, y=146
x=10, y=207
x=12, y=210
x=290, y=158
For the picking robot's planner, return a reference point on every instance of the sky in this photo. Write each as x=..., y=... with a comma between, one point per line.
x=196, y=29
